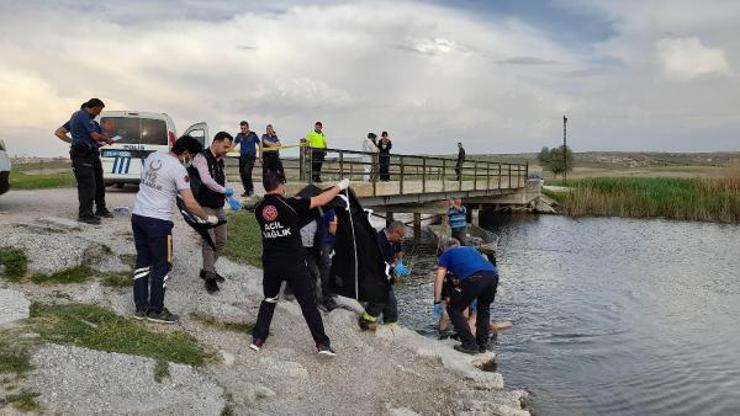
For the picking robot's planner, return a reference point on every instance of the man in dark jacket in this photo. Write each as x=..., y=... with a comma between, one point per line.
x=208, y=181
x=389, y=241
x=280, y=220
x=460, y=161
x=384, y=157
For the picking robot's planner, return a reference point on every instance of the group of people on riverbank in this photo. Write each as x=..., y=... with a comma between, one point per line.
x=193, y=178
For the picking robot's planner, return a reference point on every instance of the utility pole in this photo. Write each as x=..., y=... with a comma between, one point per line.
x=565, y=151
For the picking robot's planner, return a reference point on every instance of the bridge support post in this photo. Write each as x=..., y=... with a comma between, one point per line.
x=417, y=226
x=475, y=218
x=388, y=218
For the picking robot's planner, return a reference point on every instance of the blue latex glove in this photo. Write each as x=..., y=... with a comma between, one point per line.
x=234, y=203
x=438, y=311
x=401, y=269
x=229, y=191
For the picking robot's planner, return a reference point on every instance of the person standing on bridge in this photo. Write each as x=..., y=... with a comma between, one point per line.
x=460, y=161
x=249, y=152
x=271, y=153
x=384, y=158
x=368, y=159
x=317, y=142
x=478, y=280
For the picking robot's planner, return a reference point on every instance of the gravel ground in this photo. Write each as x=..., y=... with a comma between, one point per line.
x=13, y=306
x=393, y=372
x=121, y=385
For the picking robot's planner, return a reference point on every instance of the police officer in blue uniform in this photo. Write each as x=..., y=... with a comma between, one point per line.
x=87, y=136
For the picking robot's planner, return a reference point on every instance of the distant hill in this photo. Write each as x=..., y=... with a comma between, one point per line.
x=626, y=160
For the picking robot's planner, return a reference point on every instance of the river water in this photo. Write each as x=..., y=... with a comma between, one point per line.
x=611, y=316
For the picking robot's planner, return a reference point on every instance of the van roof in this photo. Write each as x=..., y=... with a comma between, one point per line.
x=140, y=114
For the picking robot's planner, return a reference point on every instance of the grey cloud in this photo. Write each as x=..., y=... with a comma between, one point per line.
x=526, y=60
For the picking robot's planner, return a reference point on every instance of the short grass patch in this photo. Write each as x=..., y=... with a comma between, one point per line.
x=161, y=370
x=245, y=239
x=120, y=279
x=25, y=401
x=14, y=356
x=240, y=327
x=78, y=274
x=19, y=180
x=14, y=262
x=98, y=328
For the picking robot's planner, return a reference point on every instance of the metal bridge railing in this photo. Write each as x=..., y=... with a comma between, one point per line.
x=406, y=174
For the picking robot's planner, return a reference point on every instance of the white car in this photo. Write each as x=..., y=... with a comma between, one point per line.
x=4, y=169
x=136, y=135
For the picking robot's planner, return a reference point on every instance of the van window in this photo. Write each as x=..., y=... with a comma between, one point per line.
x=136, y=130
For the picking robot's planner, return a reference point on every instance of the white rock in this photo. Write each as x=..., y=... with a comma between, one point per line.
x=13, y=306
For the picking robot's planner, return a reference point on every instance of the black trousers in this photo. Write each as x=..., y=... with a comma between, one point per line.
x=481, y=286
x=325, y=271
x=388, y=309
x=385, y=163
x=458, y=172
x=317, y=159
x=296, y=273
x=88, y=171
x=271, y=161
x=246, y=165
x=153, y=240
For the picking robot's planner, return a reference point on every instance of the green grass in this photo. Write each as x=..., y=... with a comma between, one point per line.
x=117, y=279
x=78, y=274
x=98, y=328
x=245, y=239
x=25, y=401
x=15, y=263
x=691, y=199
x=161, y=370
x=14, y=357
x=240, y=327
x=20, y=180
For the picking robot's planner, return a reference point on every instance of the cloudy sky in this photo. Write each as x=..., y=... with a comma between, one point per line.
x=498, y=75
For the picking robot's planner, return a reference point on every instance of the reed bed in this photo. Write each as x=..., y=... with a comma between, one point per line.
x=688, y=199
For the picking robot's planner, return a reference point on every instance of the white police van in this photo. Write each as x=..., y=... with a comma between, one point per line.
x=136, y=135
x=4, y=169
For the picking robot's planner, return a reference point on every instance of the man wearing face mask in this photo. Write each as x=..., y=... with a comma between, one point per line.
x=210, y=190
x=87, y=136
x=163, y=180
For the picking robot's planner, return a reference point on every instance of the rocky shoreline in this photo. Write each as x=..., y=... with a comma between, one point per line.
x=395, y=371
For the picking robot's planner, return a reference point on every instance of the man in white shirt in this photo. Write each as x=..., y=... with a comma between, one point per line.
x=163, y=180
x=369, y=146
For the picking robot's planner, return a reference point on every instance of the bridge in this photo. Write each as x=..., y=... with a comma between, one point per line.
x=417, y=184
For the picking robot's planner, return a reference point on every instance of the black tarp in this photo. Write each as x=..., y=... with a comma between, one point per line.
x=358, y=270
x=200, y=226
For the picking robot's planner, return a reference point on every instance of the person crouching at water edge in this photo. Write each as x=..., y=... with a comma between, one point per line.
x=478, y=281
x=389, y=241
x=283, y=259
x=163, y=177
